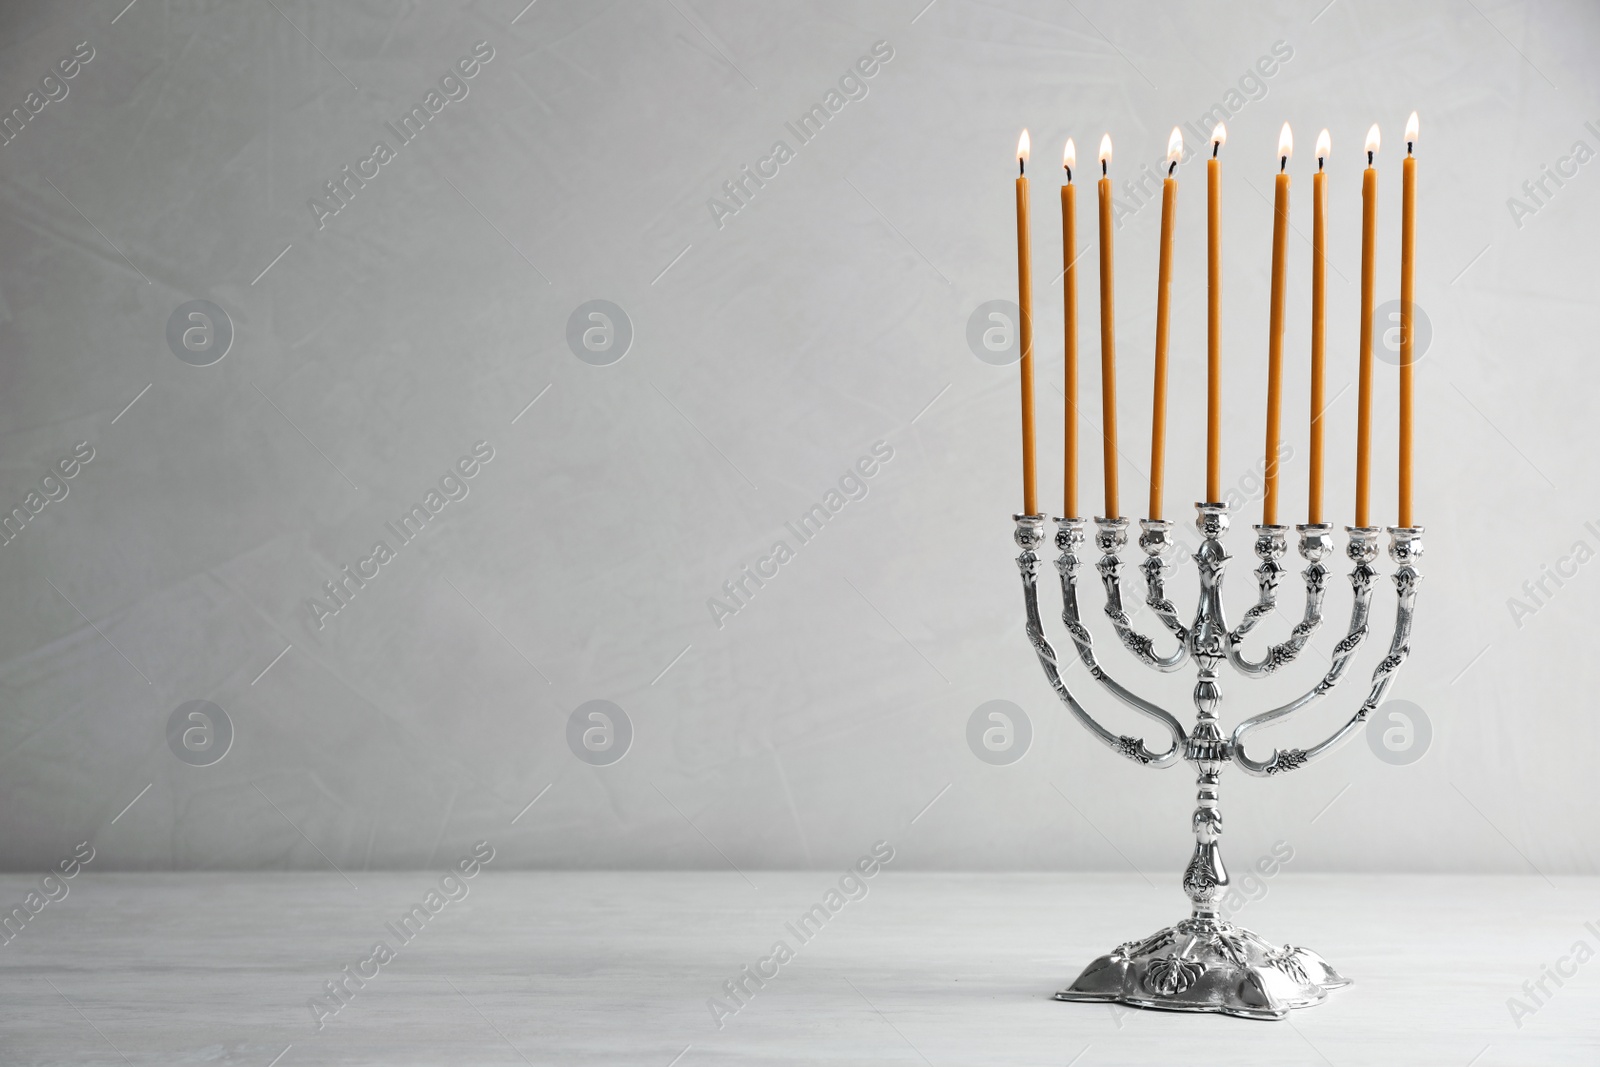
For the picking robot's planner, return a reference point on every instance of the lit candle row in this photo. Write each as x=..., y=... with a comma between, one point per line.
x=1213, y=324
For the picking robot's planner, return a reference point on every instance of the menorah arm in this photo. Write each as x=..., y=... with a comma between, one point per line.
x=1315, y=544
x=1405, y=548
x=1111, y=535
x=1029, y=535
x=1069, y=537
x=1154, y=541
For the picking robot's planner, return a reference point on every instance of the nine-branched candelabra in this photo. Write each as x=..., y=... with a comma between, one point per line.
x=1206, y=963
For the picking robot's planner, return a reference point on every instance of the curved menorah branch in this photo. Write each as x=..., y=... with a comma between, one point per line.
x=1405, y=548
x=1362, y=550
x=1315, y=544
x=1110, y=536
x=1270, y=546
x=1154, y=540
x=1069, y=536
x=1029, y=535
x=1271, y=543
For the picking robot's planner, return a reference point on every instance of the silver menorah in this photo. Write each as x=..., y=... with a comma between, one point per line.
x=1206, y=963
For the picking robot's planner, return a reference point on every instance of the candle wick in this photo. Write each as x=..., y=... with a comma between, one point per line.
x=1102, y=168
x=1369, y=159
x=1283, y=163
x=1172, y=168
x=1408, y=147
x=1069, y=175
x=1319, y=162
x=1214, y=146
x=1022, y=166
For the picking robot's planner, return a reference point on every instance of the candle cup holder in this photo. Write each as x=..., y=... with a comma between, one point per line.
x=1206, y=963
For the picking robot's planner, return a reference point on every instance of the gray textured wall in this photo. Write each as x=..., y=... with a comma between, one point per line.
x=772, y=348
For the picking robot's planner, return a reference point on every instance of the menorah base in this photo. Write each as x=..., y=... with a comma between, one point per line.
x=1208, y=965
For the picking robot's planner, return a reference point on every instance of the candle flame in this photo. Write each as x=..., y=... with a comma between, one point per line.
x=1069, y=155
x=1285, y=142
x=1219, y=134
x=1324, y=145
x=1105, y=149
x=1372, y=140
x=1411, y=128
x=1023, y=146
x=1175, y=146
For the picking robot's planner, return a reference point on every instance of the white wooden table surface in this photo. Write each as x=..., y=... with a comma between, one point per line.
x=617, y=968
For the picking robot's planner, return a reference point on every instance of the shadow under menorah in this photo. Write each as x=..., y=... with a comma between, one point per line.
x=1205, y=963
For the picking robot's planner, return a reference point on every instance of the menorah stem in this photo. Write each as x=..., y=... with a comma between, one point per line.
x=1206, y=877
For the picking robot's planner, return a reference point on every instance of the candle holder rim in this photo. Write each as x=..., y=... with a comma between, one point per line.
x=1406, y=531
x=1269, y=527
x=1113, y=523
x=1314, y=527
x=1023, y=516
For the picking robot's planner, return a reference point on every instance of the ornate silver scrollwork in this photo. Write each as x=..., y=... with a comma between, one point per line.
x=1209, y=964
x=1110, y=536
x=1029, y=535
x=1315, y=543
x=1362, y=550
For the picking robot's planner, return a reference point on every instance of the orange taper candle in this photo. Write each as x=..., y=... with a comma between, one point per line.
x=1108, y=344
x=1369, y=241
x=1280, y=263
x=1030, y=502
x=1158, y=413
x=1219, y=136
x=1319, y=233
x=1408, y=248
x=1069, y=255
